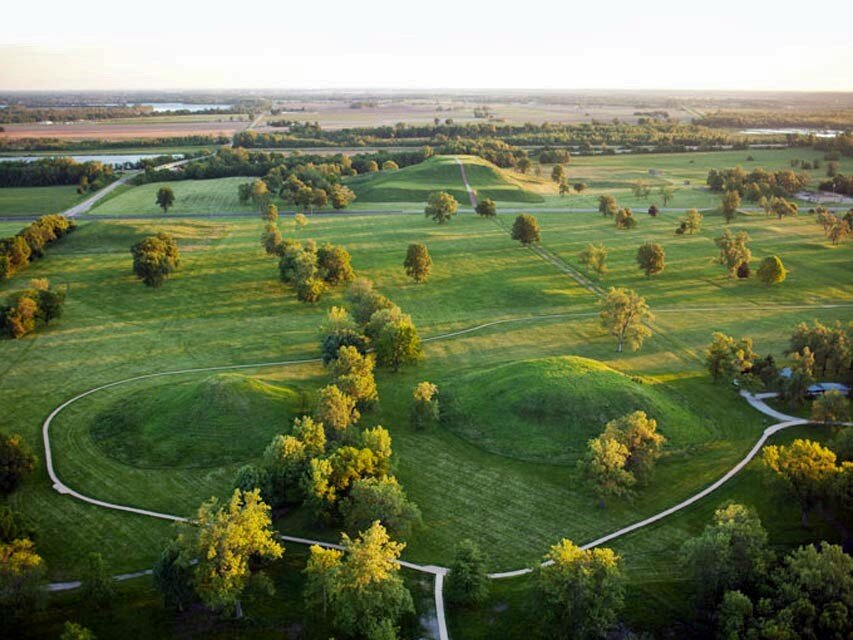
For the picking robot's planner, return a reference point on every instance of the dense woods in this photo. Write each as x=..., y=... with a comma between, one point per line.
x=54, y=171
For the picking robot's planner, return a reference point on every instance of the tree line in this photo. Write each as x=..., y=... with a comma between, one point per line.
x=29, y=244
x=64, y=145
x=757, y=183
x=46, y=172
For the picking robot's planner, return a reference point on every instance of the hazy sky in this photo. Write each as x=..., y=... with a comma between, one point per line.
x=657, y=44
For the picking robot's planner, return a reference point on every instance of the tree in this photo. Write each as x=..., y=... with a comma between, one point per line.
x=259, y=193
x=225, y=539
x=15, y=525
x=691, y=223
x=155, y=258
x=607, y=205
x=731, y=553
x=653, y=211
x=594, y=257
x=364, y=301
x=300, y=221
x=49, y=301
x=772, y=271
x=441, y=206
x=398, y=344
x=173, y=578
x=334, y=264
x=832, y=406
x=19, y=317
x=666, y=194
x=783, y=208
x=97, y=585
x=486, y=208
x=425, y=406
x=74, y=631
x=319, y=199
x=728, y=358
x=525, y=229
x=581, y=591
x=639, y=434
x=729, y=205
x=418, y=262
x=523, y=165
x=801, y=377
x=22, y=573
x=165, y=198
x=269, y=212
x=336, y=410
x=641, y=189
x=604, y=466
x=733, y=250
x=16, y=462
x=558, y=173
x=579, y=186
x=651, y=258
x=340, y=196
x=625, y=314
x=390, y=165
x=379, y=499
x=352, y=373
x=564, y=187
x=362, y=586
x=625, y=219
x=271, y=240
x=467, y=581
x=806, y=467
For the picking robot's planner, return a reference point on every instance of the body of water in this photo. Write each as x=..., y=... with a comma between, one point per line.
x=818, y=133
x=160, y=107
x=106, y=159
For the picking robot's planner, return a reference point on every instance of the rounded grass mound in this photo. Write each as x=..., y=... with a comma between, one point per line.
x=546, y=410
x=206, y=422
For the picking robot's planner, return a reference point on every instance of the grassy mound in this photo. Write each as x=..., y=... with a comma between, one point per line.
x=546, y=410
x=217, y=420
x=441, y=173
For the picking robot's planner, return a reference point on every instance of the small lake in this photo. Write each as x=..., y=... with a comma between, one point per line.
x=105, y=159
x=160, y=107
x=818, y=133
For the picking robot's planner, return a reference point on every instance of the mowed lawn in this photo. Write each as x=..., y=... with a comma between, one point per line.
x=28, y=201
x=225, y=306
x=191, y=196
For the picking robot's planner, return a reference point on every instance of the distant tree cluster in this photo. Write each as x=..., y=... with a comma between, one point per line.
x=836, y=228
x=18, y=251
x=47, y=172
x=26, y=310
x=757, y=183
x=309, y=268
x=838, y=183
x=155, y=258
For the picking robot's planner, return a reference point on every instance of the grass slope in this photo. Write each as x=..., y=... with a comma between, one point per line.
x=191, y=196
x=546, y=410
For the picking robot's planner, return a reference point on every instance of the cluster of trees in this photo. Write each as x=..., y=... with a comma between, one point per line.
x=747, y=592
x=758, y=119
x=155, y=258
x=17, y=113
x=836, y=228
x=691, y=223
x=624, y=455
x=309, y=268
x=47, y=172
x=28, y=309
x=30, y=242
x=550, y=155
x=374, y=323
x=64, y=145
x=757, y=183
x=307, y=187
x=838, y=183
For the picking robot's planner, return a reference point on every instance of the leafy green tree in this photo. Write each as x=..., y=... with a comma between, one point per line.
x=50, y=301
x=690, y=224
x=173, y=578
x=352, y=373
x=155, y=258
x=525, y=229
x=734, y=250
x=639, y=434
x=74, y=631
x=340, y=196
x=441, y=206
x=651, y=258
x=734, y=616
x=625, y=315
x=390, y=165
x=269, y=213
x=364, y=301
x=418, y=262
x=783, y=208
x=604, y=467
x=362, y=587
x=425, y=406
x=379, y=499
x=97, y=586
x=226, y=539
x=558, y=173
x=523, y=165
x=336, y=410
x=271, y=240
x=728, y=358
x=581, y=592
x=399, y=344
x=641, y=189
x=607, y=205
x=15, y=525
x=486, y=208
x=832, y=347
x=467, y=581
x=579, y=187
x=729, y=205
x=259, y=193
x=772, y=271
x=19, y=316
x=334, y=264
x=594, y=257
x=22, y=574
x=807, y=468
x=16, y=462
x=795, y=387
x=667, y=193
x=625, y=219
x=731, y=553
x=832, y=406
x=165, y=198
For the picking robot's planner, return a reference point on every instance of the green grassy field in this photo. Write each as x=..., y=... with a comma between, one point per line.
x=191, y=196
x=28, y=201
x=185, y=436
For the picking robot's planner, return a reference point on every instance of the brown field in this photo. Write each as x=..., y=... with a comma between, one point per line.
x=126, y=129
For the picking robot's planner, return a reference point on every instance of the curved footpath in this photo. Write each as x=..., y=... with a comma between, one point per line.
x=757, y=401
